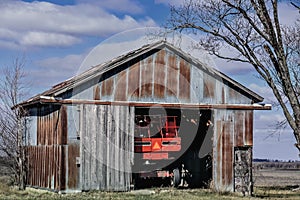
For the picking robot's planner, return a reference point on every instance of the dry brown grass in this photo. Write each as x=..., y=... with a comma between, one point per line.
x=269, y=184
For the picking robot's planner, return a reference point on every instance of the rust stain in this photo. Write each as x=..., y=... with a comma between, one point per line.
x=73, y=170
x=146, y=78
x=107, y=87
x=238, y=128
x=223, y=95
x=134, y=80
x=97, y=92
x=249, y=128
x=160, y=58
x=184, y=80
x=62, y=176
x=173, y=73
x=64, y=124
x=219, y=147
x=159, y=75
x=227, y=154
x=120, y=87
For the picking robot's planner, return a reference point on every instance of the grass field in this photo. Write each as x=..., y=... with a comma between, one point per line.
x=268, y=184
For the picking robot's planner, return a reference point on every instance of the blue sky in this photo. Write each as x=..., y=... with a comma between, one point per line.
x=55, y=36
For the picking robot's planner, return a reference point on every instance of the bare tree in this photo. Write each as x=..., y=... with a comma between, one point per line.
x=296, y=4
x=253, y=31
x=12, y=120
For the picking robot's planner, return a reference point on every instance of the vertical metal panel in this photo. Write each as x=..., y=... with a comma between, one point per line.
x=223, y=96
x=159, y=75
x=104, y=160
x=227, y=161
x=96, y=92
x=223, y=156
x=196, y=84
x=248, y=128
x=146, y=77
x=134, y=81
x=120, y=86
x=209, y=87
x=47, y=167
x=64, y=124
x=184, y=80
x=239, y=128
x=47, y=160
x=218, y=156
x=173, y=74
x=107, y=87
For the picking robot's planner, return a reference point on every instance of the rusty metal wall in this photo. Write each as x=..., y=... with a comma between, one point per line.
x=161, y=76
x=47, y=166
x=233, y=128
x=51, y=125
x=106, y=148
x=47, y=160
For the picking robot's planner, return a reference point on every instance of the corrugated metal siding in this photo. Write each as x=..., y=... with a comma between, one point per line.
x=73, y=167
x=51, y=125
x=234, y=128
x=162, y=76
x=106, y=150
x=47, y=160
x=47, y=166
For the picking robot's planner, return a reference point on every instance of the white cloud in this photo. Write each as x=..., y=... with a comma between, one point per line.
x=126, y=6
x=170, y=2
x=38, y=23
x=51, y=71
x=47, y=39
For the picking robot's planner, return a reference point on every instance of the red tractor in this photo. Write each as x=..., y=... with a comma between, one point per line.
x=156, y=143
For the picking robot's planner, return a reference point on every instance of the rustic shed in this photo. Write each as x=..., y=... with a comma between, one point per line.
x=82, y=131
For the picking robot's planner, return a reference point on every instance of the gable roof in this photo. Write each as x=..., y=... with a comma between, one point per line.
x=100, y=69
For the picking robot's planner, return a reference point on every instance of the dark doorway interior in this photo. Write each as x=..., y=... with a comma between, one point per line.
x=191, y=165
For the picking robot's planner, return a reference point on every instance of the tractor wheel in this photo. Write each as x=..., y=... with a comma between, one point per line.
x=176, y=178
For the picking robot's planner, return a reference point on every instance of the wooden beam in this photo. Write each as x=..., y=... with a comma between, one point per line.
x=165, y=105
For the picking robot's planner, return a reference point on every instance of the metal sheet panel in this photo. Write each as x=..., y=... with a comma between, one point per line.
x=106, y=147
x=248, y=128
x=159, y=75
x=133, y=81
x=146, y=78
x=52, y=125
x=47, y=167
x=239, y=128
x=172, y=73
x=120, y=87
x=184, y=81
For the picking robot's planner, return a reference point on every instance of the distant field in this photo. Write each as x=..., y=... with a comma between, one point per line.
x=276, y=177
x=280, y=174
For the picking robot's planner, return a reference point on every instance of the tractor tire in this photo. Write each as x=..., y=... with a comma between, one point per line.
x=176, y=178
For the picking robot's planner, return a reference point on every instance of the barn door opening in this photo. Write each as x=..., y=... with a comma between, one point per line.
x=243, y=170
x=173, y=144
x=197, y=160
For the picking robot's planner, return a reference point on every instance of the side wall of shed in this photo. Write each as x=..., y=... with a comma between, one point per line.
x=233, y=128
x=48, y=147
